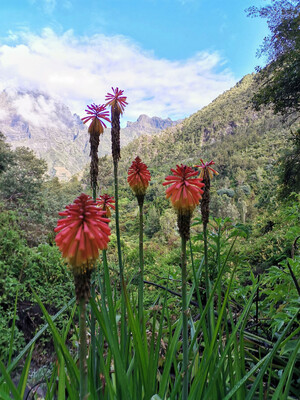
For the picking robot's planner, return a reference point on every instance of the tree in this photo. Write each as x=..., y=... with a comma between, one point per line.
x=290, y=167
x=152, y=222
x=5, y=154
x=23, y=176
x=279, y=80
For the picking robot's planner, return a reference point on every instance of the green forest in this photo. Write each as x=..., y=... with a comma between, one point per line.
x=208, y=314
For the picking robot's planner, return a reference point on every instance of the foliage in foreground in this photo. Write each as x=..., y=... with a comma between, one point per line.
x=227, y=357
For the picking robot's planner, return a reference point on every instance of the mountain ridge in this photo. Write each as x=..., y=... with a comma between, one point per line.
x=243, y=142
x=47, y=126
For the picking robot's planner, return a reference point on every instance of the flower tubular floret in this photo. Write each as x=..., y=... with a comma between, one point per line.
x=82, y=233
x=185, y=191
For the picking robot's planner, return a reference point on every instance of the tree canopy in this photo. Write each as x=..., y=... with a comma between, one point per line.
x=5, y=154
x=279, y=80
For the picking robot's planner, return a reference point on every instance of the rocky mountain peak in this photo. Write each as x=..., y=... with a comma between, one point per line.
x=47, y=126
x=151, y=123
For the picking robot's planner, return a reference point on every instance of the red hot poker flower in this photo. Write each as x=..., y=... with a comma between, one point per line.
x=82, y=233
x=116, y=100
x=105, y=202
x=96, y=114
x=138, y=177
x=185, y=191
x=206, y=173
x=206, y=167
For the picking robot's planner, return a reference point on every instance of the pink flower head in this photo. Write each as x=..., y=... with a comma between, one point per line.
x=105, y=202
x=185, y=191
x=96, y=115
x=206, y=167
x=138, y=177
x=82, y=233
x=116, y=100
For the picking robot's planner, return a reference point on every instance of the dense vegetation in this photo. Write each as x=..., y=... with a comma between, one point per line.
x=255, y=194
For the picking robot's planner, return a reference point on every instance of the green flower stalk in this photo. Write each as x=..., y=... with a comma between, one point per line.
x=184, y=193
x=95, y=114
x=117, y=103
x=138, y=179
x=106, y=203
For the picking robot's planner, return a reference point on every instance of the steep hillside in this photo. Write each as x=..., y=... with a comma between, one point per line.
x=245, y=145
x=46, y=126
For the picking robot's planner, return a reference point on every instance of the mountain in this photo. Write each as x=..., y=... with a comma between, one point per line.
x=36, y=120
x=229, y=119
x=150, y=124
x=245, y=144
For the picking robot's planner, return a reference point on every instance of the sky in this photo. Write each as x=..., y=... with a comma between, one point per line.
x=171, y=57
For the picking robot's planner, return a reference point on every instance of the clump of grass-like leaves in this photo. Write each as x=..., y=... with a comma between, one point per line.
x=225, y=360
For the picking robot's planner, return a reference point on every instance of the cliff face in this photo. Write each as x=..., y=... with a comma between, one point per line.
x=48, y=127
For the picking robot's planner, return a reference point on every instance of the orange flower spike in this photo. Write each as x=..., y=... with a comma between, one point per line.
x=185, y=191
x=206, y=167
x=83, y=232
x=206, y=173
x=138, y=177
x=106, y=203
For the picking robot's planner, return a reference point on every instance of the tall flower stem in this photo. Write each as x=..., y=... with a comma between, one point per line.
x=121, y=270
x=83, y=350
x=118, y=102
x=206, y=261
x=138, y=179
x=207, y=289
x=185, y=192
x=104, y=258
x=97, y=114
x=93, y=332
x=106, y=203
x=206, y=174
x=184, y=319
x=93, y=295
x=141, y=271
x=94, y=192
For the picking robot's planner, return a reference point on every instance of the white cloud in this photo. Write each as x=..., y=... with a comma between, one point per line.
x=82, y=70
x=36, y=110
x=2, y=114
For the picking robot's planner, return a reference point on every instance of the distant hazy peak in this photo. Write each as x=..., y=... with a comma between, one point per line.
x=144, y=121
x=37, y=120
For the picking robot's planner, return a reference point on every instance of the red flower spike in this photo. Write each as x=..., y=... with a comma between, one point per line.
x=185, y=191
x=206, y=167
x=96, y=115
x=105, y=203
x=138, y=177
x=116, y=100
x=82, y=233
